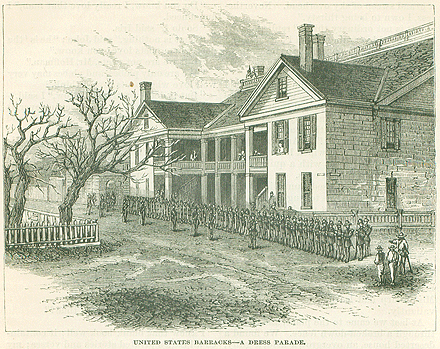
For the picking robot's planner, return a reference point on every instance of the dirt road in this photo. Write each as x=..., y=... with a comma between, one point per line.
x=152, y=278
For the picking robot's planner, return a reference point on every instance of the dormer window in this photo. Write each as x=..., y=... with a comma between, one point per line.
x=282, y=87
x=146, y=124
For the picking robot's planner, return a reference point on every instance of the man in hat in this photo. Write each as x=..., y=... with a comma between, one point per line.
x=403, y=251
x=379, y=260
x=393, y=260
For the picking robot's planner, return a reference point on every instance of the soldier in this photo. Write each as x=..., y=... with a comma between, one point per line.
x=101, y=205
x=125, y=208
x=211, y=223
x=312, y=235
x=294, y=232
x=331, y=239
x=360, y=244
x=392, y=260
x=379, y=260
x=339, y=241
x=195, y=219
x=142, y=211
x=252, y=231
x=173, y=215
x=317, y=237
x=91, y=201
x=347, y=234
x=367, y=238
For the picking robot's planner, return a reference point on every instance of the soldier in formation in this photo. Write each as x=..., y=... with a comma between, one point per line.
x=319, y=236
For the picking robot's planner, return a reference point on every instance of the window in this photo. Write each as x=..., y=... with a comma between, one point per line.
x=391, y=195
x=280, y=137
x=146, y=124
x=306, y=190
x=307, y=133
x=282, y=87
x=390, y=133
x=281, y=189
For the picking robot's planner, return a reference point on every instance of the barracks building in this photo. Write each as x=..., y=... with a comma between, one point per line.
x=355, y=130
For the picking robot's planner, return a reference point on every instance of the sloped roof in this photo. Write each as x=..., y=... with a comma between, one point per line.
x=340, y=80
x=231, y=117
x=189, y=115
x=404, y=63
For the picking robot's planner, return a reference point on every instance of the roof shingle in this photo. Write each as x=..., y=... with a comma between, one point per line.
x=404, y=63
x=188, y=115
x=341, y=80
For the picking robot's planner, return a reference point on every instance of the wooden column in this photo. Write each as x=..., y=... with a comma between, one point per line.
x=204, y=178
x=168, y=177
x=249, y=143
x=233, y=173
x=217, y=186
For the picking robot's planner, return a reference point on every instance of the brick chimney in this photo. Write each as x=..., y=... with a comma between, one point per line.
x=318, y=46
x=305, y=32
x=145, y=87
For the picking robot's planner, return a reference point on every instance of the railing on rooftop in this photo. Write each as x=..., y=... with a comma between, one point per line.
x=410, y=35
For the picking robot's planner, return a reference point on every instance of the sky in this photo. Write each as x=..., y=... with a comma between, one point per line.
x=189, y=52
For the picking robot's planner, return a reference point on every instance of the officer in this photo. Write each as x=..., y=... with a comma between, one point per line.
x=173, y=215
x=211, y=223
x=195, y=219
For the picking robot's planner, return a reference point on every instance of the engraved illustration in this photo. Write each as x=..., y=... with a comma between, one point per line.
x=206, y=167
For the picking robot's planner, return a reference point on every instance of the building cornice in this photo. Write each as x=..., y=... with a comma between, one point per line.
x=403, y=38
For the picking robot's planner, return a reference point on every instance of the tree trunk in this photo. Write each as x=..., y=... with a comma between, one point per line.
x=16, y=215
x=72, y=196
x=7, y=185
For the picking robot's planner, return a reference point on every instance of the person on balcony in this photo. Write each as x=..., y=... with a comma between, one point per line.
x=193, y=156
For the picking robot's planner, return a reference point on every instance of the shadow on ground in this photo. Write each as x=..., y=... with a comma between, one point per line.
x=159, y=308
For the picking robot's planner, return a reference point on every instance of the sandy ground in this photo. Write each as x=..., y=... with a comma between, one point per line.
x=152, y=278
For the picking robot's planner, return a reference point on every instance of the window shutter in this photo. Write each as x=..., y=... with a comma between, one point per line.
x=397, y=135
x=286, y=136
x=300, y=134
x=313, y=135
x=383, y=127
x=274, y=138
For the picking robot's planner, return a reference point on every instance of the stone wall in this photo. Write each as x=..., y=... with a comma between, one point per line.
x=357, y=167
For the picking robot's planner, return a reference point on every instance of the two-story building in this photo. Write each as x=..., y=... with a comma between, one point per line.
x=321, y=134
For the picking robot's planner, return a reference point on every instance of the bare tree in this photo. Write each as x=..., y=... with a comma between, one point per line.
x=28, y=131
x=102, y=144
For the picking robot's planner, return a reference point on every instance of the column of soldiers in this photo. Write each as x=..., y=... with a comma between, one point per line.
x=320, y=236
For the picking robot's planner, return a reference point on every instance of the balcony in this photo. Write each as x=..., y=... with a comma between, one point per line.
x=188, y=165
x=224, y=166
x=239, y=165
x=258, y=161
x=210, y=166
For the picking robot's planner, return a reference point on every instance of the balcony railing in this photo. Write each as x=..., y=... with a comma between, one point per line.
x=210, y=166
x=188, y=165
x=239, y=165
x=224, y=165
x=258, y=161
